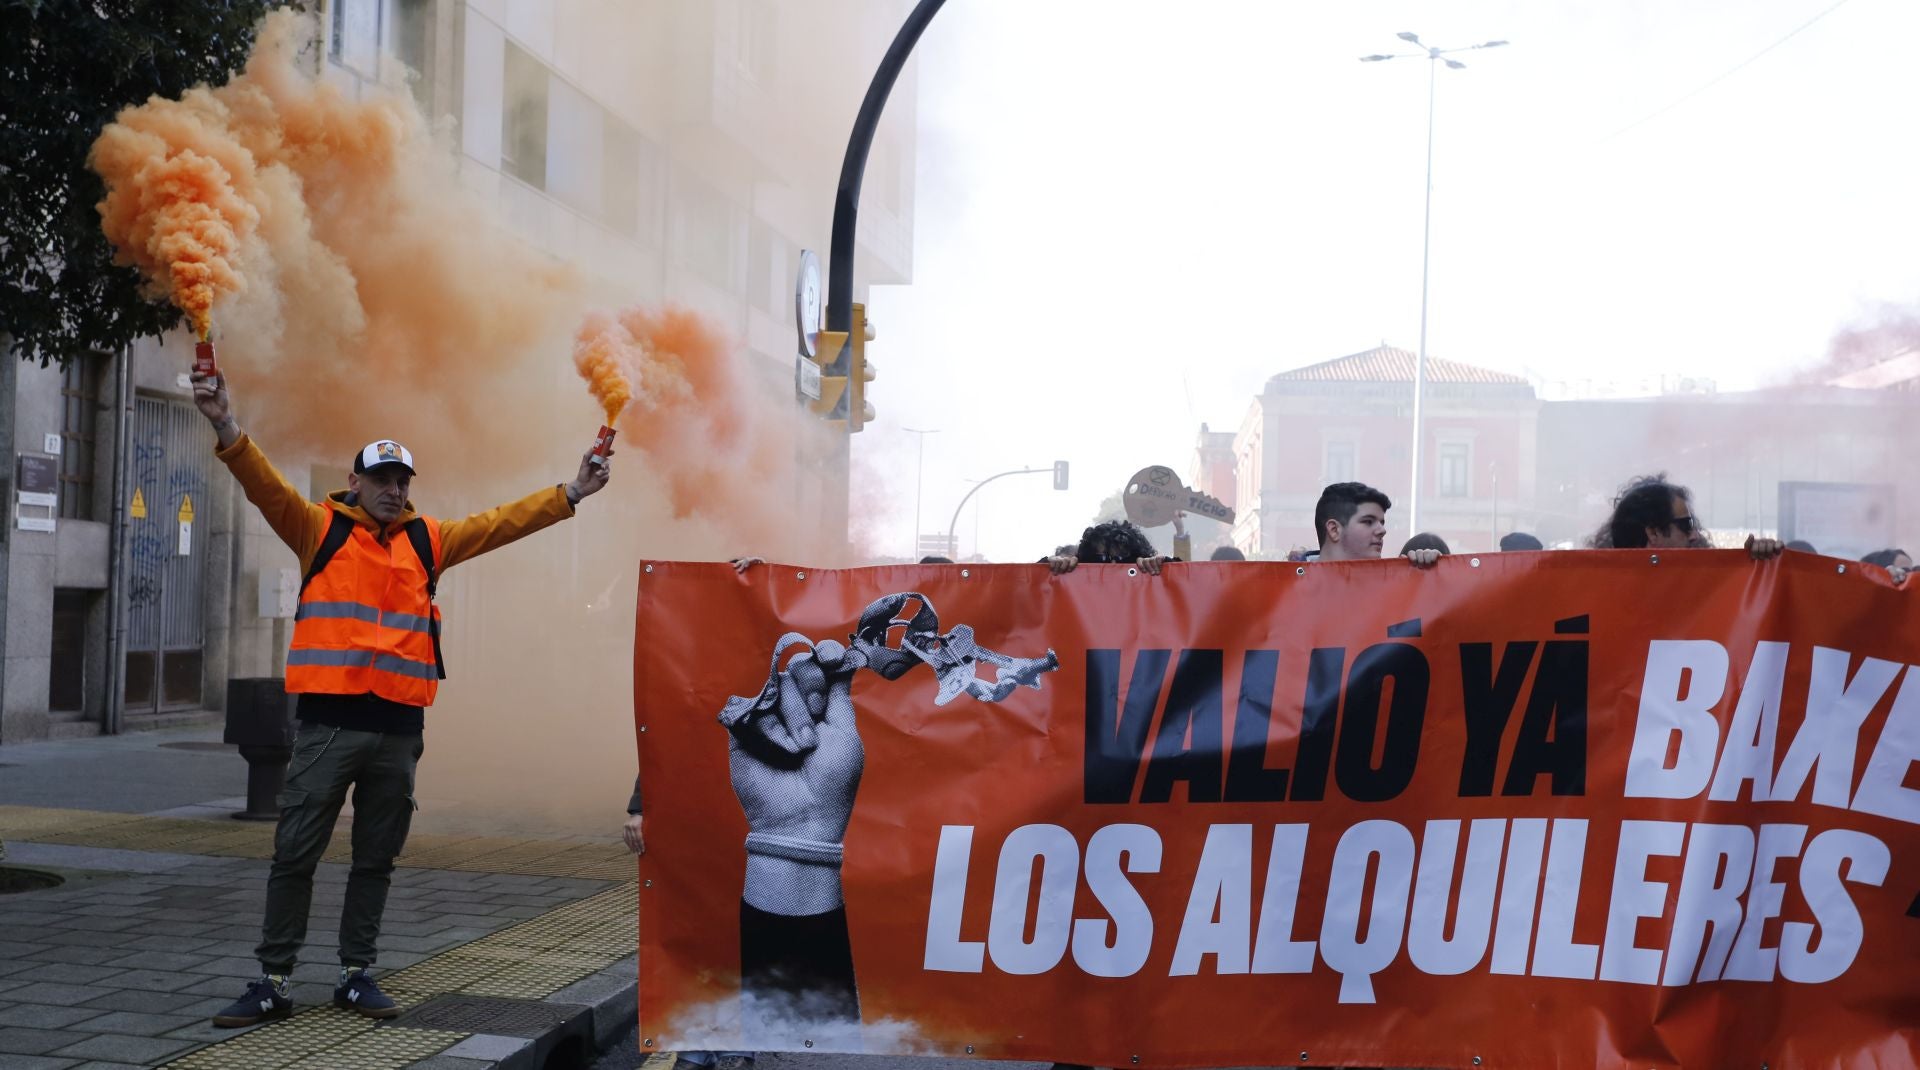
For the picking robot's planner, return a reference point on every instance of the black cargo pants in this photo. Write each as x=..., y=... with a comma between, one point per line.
x=327, y=761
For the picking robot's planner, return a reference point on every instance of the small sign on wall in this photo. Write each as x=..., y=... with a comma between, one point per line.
x=38, y=475
x=51, y=444
x=37, y=486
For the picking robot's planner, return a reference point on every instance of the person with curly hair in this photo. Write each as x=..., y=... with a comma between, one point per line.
x=1653, y=513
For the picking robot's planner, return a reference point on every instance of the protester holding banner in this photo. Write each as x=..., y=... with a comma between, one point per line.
x=633, y=834
x=1896, y=562
x=1652, y=513
x=366, y=663
x=1351, y=522
x=1114, y=542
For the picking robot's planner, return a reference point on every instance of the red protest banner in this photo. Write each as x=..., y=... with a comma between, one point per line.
x=1552, y=809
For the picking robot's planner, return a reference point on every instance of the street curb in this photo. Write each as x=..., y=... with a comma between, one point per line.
x=613, y=994
x=608, y=1002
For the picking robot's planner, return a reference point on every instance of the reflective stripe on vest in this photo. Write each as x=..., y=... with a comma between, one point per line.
x=362, y=658
x=362, y=611
x=346, y=644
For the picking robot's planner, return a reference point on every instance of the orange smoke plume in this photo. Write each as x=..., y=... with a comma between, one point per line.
x=697, y=405
x=597, y=353
x=178, y=203
x=361, y=255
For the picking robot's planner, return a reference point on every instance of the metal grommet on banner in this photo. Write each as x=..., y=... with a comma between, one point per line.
x=649, y=568
x=1300, y=570
x=646, y=1042
x=643, y=728
x=1474, y=562
x=646, y=884
x=969, y=1049
x=799, y=575
x=1303, y=1056
x=1476, y=1061
x=1136, y=1060
x=1843, y=570
x=1133, y=571
x=965, y=572
x=1653, y=559
x=808, y=1043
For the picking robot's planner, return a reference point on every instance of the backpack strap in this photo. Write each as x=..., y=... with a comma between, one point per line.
x=339, y=530
x=423, y=547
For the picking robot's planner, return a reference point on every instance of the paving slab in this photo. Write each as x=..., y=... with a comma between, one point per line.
x=154, y=930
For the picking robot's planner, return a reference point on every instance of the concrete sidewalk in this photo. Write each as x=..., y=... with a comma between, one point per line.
x=504, y=951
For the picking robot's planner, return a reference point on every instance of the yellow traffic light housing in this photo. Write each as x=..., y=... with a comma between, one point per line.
x=859, y=372
x=830, y=353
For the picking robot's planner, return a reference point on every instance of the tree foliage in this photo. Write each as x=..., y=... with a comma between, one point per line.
x=66, y=68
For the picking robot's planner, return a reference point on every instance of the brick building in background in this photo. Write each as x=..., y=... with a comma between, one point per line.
x=1831, y=459
x=1351, y=419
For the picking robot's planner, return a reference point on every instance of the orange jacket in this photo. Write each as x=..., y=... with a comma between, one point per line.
x=378, y=571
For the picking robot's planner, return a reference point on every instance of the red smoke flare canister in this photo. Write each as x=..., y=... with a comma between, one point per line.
x=603, y=444
x=203, y=363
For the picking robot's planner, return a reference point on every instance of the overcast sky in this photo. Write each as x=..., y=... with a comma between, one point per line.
x=1130, y=214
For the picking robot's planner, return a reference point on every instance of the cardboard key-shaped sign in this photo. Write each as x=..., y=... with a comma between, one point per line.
x=1156, y=493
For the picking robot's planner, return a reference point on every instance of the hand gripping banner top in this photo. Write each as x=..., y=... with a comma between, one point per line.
x=1574, y=809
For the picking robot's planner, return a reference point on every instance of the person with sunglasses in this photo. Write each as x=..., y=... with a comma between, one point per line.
x=1652, y=513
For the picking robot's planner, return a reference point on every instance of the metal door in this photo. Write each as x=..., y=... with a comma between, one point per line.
x=166, y=550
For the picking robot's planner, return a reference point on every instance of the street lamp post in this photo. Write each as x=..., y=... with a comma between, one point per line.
x=954, y=524
x=1434, y=57
x=920, y=468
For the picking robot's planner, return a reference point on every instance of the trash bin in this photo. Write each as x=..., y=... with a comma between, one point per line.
x=260, y=721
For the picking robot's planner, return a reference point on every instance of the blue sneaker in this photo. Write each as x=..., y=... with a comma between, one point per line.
x=361, y=996
x=263, y=1002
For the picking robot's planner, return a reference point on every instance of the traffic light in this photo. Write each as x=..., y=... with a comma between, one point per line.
x=859, y=372
x=830, y=353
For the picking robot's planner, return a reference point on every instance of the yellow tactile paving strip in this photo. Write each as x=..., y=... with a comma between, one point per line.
x=531, y=960
x=483, y=854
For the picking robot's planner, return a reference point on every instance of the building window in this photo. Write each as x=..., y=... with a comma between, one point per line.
x=523, y=122
x=1338, y=466
x=410, y=23
x=1456, y=460
x=356, y=35
x=79, y=419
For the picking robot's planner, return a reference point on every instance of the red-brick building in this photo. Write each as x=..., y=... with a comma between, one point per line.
x=1351, y=419
x=1498, y=459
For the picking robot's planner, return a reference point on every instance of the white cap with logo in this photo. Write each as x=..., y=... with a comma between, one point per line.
x=385, y=451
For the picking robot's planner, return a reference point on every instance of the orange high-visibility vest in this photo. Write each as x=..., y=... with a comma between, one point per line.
x=367, y=622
